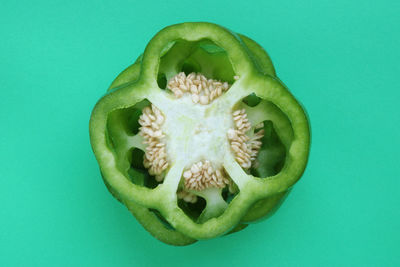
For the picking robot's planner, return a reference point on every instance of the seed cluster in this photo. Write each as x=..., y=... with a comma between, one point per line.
x=155, y=158
x=202, y=175
x=202, y=90
x=244, y=147
x=187, y=196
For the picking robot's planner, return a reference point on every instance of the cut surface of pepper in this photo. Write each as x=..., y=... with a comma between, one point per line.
x=199, y=138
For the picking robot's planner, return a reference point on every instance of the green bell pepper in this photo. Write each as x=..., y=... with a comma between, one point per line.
x=198, y=138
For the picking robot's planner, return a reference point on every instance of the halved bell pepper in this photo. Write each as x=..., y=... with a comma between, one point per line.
x=198, y=138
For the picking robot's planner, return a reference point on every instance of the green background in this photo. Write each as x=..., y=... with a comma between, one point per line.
x=340, y=58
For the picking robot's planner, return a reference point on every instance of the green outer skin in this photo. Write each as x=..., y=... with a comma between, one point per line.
x=257, y=75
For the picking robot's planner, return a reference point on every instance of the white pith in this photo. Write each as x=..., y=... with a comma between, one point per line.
x=197, y=132
x=196, y=136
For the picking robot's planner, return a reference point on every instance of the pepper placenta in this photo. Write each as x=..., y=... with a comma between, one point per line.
x=198, y=138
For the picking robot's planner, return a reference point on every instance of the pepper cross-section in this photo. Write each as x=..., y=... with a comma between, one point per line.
x=199, y=138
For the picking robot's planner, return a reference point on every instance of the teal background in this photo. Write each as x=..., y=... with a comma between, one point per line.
x=340, y=58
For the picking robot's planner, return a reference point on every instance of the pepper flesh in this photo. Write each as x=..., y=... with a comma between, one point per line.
x=222, y=54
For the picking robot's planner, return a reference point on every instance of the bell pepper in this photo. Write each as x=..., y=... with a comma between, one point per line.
x=199, y=138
